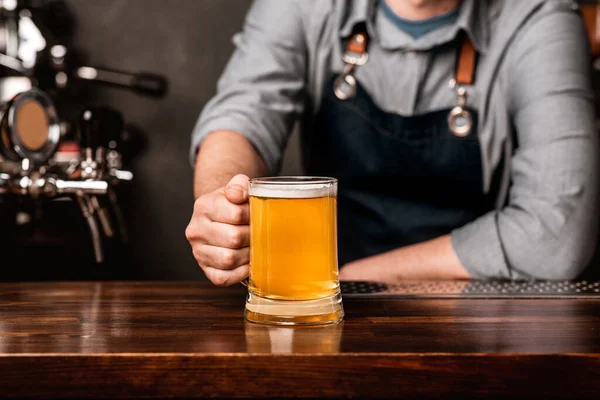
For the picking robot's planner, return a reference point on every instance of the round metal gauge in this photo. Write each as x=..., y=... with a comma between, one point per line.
x=30, y=128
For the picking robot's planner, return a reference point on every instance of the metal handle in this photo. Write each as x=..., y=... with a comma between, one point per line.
x=112, y=197
x=74, y=187
x=143, y=83
x=87, y=211
x=122, y=175
x=103, y=216
x=12, y=63
x=37, y=185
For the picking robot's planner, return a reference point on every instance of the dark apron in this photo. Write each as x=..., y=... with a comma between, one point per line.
x=402, y=180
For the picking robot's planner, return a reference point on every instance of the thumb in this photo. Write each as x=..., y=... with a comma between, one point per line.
x=236, y=191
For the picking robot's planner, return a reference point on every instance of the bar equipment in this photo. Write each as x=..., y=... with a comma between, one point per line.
x=30, y=134
x=56, y=145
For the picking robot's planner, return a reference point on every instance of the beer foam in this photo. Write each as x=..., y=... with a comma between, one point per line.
x=284, y=191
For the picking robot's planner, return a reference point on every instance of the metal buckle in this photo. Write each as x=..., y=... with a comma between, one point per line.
x=356, y=59
x=344, y=86
x=460, y=120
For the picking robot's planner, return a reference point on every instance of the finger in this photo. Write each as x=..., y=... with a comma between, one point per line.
x=220, y=257
x=226, y=235
x=222, y=210
x=195, y=228
x=236, y=190
x=226, y=278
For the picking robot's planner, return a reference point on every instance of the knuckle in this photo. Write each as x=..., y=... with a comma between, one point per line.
x=191, y=232
x=236, y=238
x=200, y=205
x=219, y=278
x=227, y=258
x=195, y=229
x=198, y=255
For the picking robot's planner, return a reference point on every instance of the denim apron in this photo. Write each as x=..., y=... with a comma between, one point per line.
x=402, y=179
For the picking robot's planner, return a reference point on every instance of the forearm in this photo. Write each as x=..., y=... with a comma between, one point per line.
x=431, y=260
x=222, y=155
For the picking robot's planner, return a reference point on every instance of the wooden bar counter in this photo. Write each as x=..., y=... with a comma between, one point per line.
x=189, y=340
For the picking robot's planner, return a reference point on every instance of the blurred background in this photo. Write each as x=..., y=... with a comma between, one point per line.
x=188, y=42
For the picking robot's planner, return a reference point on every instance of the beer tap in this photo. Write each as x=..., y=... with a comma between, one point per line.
x=114, y=128
x=100, y=135
x=93, y=148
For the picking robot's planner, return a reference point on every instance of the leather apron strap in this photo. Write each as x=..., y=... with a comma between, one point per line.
x=466, y=61
x=591, y=18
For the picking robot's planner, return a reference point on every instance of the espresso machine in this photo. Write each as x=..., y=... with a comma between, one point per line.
x=63, y=160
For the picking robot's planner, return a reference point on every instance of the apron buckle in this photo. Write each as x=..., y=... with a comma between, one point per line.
x=353, y=58
x=344, y=86
x=356, y=52
x=356, y=55
x=460, y=120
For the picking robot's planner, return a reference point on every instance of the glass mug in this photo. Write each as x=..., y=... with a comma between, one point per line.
x=293, y=251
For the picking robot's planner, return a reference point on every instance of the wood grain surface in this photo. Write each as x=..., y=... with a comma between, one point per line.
x=189, y=340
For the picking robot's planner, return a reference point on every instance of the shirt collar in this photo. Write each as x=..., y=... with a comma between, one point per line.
x=356, y=12
x=473, y=19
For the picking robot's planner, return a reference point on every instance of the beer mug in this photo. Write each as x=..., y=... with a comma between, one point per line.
x=293, y=251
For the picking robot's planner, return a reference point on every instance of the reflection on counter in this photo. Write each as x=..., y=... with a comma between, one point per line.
x=286, y=340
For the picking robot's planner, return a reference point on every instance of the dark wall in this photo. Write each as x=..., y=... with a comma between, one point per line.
x=189, y=41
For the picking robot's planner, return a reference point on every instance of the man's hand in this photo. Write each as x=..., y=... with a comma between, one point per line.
x=219, y=232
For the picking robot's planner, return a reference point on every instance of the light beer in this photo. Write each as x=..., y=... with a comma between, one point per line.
x=293, y=250
x=292, y=253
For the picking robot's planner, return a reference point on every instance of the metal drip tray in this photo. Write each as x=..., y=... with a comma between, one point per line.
x=525, y=289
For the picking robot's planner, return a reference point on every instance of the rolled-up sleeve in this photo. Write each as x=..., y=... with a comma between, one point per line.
x=261, y=91
x=548, y=228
